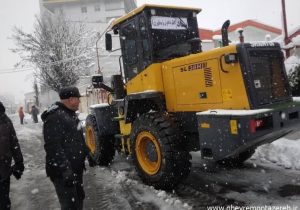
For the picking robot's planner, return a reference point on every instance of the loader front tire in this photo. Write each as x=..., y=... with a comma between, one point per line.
x=101, y=148
x=156, y=151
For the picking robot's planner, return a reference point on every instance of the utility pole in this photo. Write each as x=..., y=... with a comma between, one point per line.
x=286, y=36
x=36, y=93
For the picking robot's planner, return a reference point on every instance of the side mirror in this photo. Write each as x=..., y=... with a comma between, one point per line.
x=108, y=42
x=97, y=80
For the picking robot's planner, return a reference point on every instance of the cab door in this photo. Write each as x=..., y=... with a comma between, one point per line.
x=129, y=44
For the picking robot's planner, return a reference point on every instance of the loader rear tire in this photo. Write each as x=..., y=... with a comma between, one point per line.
x=156, y=152
x=237, y=161
x=101, y=147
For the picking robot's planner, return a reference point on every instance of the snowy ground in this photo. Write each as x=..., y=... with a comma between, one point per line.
x=270, y=177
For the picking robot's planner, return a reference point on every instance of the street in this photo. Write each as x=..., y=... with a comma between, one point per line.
x=259, y=182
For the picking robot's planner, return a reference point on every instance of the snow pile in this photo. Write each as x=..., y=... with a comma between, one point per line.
x=168, y=198
x=95, y=106
x=34, y=191
x=82, y=116
x=283, y=152
x=297, y=99
x=233, y=112
x=160, y=197
x=120, y=176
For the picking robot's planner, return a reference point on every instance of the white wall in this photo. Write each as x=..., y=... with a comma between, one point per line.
x=47, y=98
x=251, y=34
x=74, y=11
x=207, y=45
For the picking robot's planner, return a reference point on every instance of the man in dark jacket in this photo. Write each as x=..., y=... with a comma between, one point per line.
x=65, y=149
x=34, y=113
x=9, y=149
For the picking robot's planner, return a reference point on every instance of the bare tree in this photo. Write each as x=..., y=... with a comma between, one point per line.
x=60, y=50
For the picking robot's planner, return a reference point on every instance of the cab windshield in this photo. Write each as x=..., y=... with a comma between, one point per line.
x=173, y=36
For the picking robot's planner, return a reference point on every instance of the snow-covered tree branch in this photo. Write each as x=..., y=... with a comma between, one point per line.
x=61, y=51
x=294, y=80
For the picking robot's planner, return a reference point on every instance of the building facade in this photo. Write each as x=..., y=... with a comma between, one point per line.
x=253, y=31
x=92, y=12
x=95, y=14
x=8, y=101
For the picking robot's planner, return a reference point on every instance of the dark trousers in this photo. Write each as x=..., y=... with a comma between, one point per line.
x=4, y=194
x=70, y=198
x=21, y=120
x=35, y=119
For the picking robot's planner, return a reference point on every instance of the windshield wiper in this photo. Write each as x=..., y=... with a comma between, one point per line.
x=183, y=23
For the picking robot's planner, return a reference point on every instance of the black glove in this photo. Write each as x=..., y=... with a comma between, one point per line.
x=69, y=178
x=17, y=170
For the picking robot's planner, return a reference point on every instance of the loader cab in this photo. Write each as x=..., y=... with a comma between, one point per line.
x=153, y=34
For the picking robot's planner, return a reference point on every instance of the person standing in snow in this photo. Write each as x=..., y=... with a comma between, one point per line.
x=21, y=115
x=34, y=113
x=9, y=149
x=65, y=148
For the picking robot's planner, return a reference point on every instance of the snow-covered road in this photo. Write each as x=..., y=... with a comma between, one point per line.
x=271, y=177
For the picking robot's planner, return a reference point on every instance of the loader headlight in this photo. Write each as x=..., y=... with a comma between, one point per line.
x=283, y=115
x=121, y=110
x=97, y=80
x=231, y=58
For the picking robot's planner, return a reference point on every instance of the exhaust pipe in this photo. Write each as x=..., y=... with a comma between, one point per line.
x=241, y=37
x=224, y=31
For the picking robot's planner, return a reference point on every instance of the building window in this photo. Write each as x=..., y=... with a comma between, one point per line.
x=114, y=5
x=97, y=8
x=83, y=10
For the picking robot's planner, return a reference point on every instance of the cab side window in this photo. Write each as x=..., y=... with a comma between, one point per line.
x=128, y=37
x=145, y=43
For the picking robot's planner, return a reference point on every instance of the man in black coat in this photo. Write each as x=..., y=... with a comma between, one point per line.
x=34, y=113
x=9, y=149
x=65, y=149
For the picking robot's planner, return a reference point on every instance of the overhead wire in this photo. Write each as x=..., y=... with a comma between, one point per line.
x=15, y=70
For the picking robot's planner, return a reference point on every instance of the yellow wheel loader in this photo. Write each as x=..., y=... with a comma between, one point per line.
x=171, y=98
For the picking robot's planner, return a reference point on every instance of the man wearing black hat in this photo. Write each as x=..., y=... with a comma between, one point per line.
x=9, y=149
x=65, y=148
